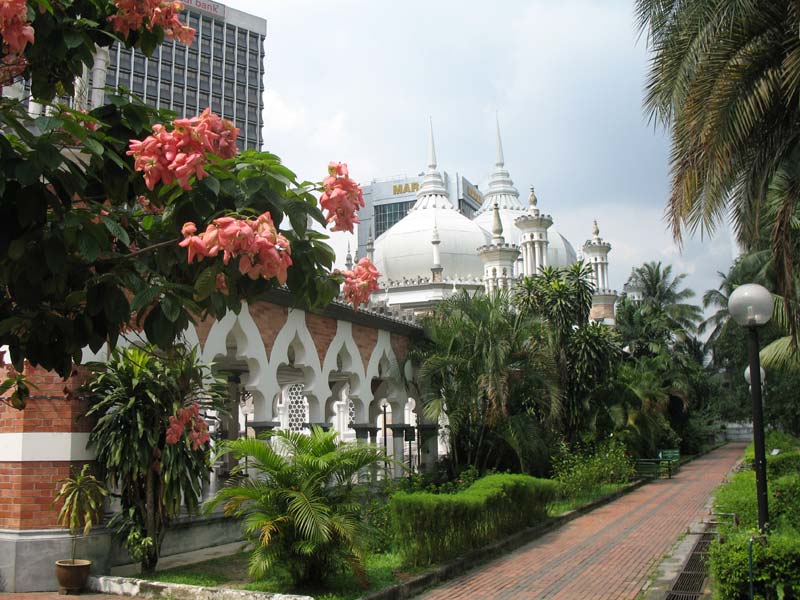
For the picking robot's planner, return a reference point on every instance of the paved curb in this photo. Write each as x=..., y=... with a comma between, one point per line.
x=474, y=558
x=128, y=586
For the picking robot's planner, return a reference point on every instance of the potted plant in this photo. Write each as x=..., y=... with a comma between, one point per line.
x=83, y=497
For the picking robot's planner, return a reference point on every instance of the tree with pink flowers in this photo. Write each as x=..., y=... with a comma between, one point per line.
x=127, y=217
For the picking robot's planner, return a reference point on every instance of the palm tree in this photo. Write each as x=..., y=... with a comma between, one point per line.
x=725, y=79
x=483, y=366
x=662, y=293
x=299, y=505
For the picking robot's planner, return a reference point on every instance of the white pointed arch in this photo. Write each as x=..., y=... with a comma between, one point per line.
x=249, y=349
x=343, y=340
x=295, y=334
x=383, y=364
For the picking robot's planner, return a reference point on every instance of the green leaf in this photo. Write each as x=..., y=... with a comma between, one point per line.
x=205, y=283
x=171, y=308
x=94, y=146
x=47, y=124
x=88, y=247
x=73, y=37
x=212, y=183
x=27, y=172
x=145, y=297
x=16, y=249
x=117, y=230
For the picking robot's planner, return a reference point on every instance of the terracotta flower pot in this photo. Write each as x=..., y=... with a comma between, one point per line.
x=72, y=575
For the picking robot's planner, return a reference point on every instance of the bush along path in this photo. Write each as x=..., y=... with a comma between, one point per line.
x=605, y=554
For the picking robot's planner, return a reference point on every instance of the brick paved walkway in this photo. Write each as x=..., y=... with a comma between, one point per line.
x=607, y=554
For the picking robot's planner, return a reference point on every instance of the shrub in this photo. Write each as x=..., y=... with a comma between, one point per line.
x=775, y=439
x=580, y=473
x=785, y=463
x=775, y=572
x=433, y=527
x=785, y=500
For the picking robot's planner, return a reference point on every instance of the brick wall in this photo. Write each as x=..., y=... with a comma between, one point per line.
x=28, y=492
x=322, y=330
x=366, y=338
x=269, y=318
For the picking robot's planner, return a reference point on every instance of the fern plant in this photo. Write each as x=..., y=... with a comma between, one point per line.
x=83, y=497
x=300, y=505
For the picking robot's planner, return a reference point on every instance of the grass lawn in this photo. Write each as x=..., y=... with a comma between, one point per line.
x=559, y=507
x=231, y=572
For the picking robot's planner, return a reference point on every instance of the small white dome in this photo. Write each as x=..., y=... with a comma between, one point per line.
x=560, y=252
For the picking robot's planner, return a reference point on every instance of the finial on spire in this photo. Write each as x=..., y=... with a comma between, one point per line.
x=431, y=149
x=497, y=226
x=370, y=245
x=348, y=259
x=532, y=200
x=500, y=159
x=595, y=231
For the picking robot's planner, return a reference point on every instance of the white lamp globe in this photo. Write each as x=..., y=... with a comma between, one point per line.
x=763, y=375
x=751, y=305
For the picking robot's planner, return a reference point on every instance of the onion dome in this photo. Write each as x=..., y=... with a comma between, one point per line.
x=403, y=252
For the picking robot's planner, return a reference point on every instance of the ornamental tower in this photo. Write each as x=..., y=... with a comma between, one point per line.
x=595, y=252
x=498, y=258
x=533, y=226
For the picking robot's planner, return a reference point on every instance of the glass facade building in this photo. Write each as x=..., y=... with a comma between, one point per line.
x=223, y=69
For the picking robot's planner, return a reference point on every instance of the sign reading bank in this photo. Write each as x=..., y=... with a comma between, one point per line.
x=207, y=6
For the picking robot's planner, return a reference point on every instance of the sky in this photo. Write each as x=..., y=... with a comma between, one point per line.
x=357, y=80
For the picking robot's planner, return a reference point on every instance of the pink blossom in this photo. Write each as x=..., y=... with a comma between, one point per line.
x=341, y=198
x=167, y=156
x=14, y=26
x=133, y=14
x=360, y=283
x=262, y=252
x=188, y=418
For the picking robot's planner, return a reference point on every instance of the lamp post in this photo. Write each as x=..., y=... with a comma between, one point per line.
x=751, y=306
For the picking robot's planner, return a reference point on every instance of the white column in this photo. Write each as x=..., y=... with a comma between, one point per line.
x=398, y=448
x=99, y=71
x=545, y=260
x=538, y=254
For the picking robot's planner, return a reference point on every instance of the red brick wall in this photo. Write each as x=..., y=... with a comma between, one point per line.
x=400, y=346
x=203, y=328
x=366, y=339
x=48, y=407
x=28, y=492
x=322, y=330
x=269, y=319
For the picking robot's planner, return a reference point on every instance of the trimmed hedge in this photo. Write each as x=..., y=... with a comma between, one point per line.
x=434, y=527
x=775, y=566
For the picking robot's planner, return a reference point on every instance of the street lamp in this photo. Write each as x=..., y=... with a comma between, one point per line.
x=751, y=306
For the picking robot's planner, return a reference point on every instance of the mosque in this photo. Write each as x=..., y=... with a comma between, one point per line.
x=436, y=249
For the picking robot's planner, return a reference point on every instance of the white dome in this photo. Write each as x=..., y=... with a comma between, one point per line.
x=405, y=249
x=560, y=252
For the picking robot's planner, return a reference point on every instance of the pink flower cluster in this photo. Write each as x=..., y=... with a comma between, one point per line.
x=132, y=14
x=188, y=418
x=262, y=251
x=360, y=283
x=178, y=154
x=14, y=26
x=341, y=198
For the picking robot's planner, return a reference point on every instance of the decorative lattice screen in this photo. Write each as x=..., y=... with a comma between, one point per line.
x=298, y=407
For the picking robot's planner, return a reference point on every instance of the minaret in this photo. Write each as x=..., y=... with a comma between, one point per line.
x=633, y=288
x=370, y=246
x=498, y=258
x=595, y=252
x=436, y=267
x=533, y=226
x=348, y=259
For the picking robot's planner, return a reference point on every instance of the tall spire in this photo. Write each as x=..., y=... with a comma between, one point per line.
x=432, y=191
x=431, y=149
x=497, y=227
x=370, y=245
x=500, y=162
x=348, y=259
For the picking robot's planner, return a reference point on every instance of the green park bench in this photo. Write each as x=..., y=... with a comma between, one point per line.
x=673, y=456
x=653, y=468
